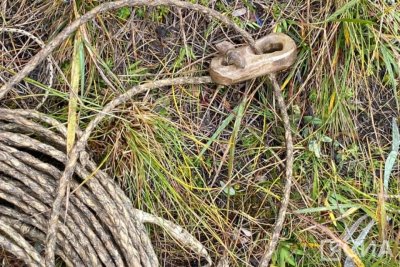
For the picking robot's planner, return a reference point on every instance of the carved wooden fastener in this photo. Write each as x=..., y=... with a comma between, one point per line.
x=235, y=65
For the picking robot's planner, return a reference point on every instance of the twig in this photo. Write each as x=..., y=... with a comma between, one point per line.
x=289, y=173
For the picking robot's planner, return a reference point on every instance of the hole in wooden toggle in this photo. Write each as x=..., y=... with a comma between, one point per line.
x=272, y=47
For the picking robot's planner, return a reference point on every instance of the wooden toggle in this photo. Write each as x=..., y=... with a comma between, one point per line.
x=234, y=65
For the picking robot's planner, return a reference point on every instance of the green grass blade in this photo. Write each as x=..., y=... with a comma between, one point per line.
x=76, y=73
x=233, y=139
x=222, y=127
x=342, y=10
x=391, y=159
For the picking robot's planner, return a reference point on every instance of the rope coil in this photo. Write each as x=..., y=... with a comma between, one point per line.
x=101, y=226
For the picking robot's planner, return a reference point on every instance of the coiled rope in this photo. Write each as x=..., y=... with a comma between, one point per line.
x=101, y=226
x=32, y=187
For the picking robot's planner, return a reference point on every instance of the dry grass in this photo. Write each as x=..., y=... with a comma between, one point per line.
x=210, y=158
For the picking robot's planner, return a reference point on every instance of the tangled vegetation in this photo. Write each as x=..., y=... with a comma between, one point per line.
x=212, y=158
